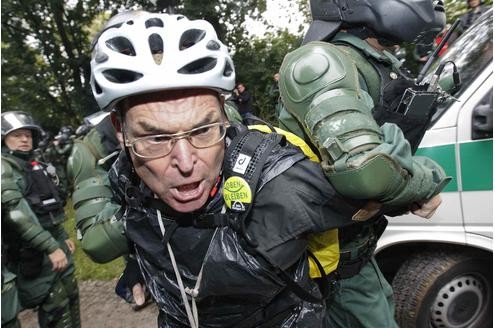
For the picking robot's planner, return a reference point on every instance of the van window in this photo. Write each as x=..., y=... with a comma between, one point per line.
x=471, y=52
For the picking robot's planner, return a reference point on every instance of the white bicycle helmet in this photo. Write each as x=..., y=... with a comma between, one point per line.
x=145, y=52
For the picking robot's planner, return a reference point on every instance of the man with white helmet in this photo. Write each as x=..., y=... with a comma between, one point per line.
x=216, y=214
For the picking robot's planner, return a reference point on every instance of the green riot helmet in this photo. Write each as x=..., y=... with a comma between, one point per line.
x=393, y=20
x=64, y=134
x=16, y=120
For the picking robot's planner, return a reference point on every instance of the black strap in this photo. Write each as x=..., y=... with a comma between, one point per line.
x=349, y=266
x=301, y=292
x=251, y=142
x=258, y=147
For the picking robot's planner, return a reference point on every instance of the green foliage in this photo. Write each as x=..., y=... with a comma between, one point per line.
x=45, y=59
x=257, y=60
x=86, y=269
x=46, y=48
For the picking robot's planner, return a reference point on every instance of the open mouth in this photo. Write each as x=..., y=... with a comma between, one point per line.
x=188, y=187
x=188, y=192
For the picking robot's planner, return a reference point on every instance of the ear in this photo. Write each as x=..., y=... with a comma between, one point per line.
x=118, y=128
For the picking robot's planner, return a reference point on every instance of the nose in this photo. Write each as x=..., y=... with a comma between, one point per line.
x=183, y=156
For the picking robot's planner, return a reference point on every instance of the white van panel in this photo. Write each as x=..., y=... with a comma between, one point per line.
x=480, y=240
x=477, y=207
x=438, y=137
x=445, y=215
x=395, y=234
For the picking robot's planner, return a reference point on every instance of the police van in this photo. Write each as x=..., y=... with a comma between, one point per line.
x=441, y=269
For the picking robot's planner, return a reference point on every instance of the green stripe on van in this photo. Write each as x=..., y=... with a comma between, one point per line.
x=477, y=165
x=445, y=156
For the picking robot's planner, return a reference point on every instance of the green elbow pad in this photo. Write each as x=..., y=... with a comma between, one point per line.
x=375, y=178
x=105, y=241
x=341, y=125
x=89, y=198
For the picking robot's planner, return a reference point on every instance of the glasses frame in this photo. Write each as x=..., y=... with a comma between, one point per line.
x=174, y=138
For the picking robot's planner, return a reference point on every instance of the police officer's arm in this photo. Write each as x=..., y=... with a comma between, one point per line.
x=20, y=217
x=102, y=236
x=320, y=88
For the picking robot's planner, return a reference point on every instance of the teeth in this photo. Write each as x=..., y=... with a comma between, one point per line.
x=188, y=187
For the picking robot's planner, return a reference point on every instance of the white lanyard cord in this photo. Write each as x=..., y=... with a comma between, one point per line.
x=191, y=315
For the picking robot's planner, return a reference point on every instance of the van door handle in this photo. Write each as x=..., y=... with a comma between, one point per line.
x=482, y=122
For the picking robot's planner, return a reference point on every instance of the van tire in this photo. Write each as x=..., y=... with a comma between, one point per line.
x=444, y=289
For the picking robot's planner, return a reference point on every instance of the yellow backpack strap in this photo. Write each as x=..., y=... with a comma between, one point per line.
x=291, y=137
x=324, y=245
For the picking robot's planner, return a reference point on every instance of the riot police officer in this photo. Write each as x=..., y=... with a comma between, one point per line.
x=38, y=248
x=332, y=87
x=58, y=153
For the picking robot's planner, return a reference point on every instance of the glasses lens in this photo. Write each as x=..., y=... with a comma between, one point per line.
x=207, y=135
x=153, y=146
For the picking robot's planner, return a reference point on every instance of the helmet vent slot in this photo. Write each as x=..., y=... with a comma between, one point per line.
x=97, y=88
x=121, y=45
x=212, y=45
x=190, y=38
x=101, y=57
x=121, y=75
x=228, y=70
x=156, y=46
x=199, y=66
x=153, y=22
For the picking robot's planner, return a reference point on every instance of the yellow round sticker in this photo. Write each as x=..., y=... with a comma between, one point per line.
x=236, y=193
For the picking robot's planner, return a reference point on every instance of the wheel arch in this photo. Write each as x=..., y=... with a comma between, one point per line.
x=391, y=257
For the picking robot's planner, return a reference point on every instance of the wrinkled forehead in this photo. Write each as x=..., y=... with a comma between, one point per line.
x=173, y=109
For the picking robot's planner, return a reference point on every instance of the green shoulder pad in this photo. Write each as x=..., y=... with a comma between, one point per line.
x=312, y=69
x=11, y=191
x=232, y=112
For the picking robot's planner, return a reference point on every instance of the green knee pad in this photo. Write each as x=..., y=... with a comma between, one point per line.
x=105, y=240
x=55, y=311
x=89, y=198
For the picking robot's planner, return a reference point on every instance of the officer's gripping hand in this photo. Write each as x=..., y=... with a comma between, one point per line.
x=427, y=208
x=70, y=244
x=58, y=259
x=138, y=294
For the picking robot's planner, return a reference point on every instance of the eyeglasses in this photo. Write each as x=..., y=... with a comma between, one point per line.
x=160, y=145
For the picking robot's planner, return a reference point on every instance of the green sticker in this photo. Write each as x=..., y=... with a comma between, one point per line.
x=237, y=193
